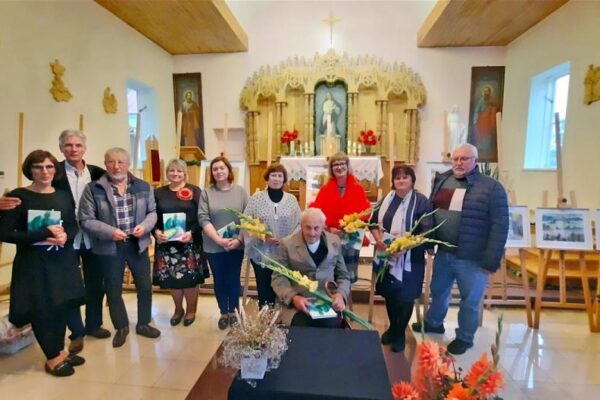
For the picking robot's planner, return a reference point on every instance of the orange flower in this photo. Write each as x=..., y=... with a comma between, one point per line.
x=491, y=384
x=184, y=194
x=458, y=392
x=428, y=354
x=477, y=371
x=484, y=378
x=404, y=391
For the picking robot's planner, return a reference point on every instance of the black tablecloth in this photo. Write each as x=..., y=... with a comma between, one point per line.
x=323, y=363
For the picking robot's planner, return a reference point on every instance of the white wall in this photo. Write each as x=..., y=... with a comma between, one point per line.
x=278, y=30
x=569, y=34
x=98, y=50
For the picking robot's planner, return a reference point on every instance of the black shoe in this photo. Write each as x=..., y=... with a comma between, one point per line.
x=189, y=321
x=232, y=320
x=75, y=360
x=458, y=346
x=223, y=322
x=62, y=369
x=100, y=333
x=428, y=328
x=147, y=331
x=176, y=319
x=398, y=344
x=386, y=338
x=76, y=346
x=120, y=336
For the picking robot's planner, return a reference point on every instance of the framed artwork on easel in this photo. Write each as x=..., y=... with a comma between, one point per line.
x=563, y=229
x=519, y=231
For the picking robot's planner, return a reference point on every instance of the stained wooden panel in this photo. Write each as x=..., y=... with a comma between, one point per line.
x=183, y=26
x=456, y=23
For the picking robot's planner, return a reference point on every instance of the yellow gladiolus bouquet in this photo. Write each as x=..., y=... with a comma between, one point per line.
x=408, y=240
x=253, y=226
x=353, y=227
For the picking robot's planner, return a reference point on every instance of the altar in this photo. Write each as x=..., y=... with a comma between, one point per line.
x=363, y=168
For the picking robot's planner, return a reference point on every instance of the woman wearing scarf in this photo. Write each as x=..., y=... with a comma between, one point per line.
x=403, y=281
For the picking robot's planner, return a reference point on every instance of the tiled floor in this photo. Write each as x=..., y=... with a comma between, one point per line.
x=561, y=361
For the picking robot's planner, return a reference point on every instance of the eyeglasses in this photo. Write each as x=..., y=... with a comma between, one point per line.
x=338, y=165
x=42, y=167
x=462, y=159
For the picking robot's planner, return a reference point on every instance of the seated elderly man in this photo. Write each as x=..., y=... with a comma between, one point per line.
x=318, y=255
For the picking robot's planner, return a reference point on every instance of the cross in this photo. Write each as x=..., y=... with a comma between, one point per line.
x=330, y=21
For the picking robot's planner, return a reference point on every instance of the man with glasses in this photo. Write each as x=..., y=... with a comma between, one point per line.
x=475, y=210
x=118, y=211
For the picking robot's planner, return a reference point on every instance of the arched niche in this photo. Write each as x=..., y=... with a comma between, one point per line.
x=374, y=91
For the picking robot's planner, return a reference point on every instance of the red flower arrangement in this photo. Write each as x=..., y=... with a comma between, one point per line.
x=436, y=376
x=185, y=194
x=288, y=136
x=368, y=138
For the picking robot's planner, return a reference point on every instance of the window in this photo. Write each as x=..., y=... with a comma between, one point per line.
x=548, y=95
x=141, y=99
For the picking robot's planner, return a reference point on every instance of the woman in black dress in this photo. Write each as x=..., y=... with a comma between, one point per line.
x=46, y=280
x=178, y=261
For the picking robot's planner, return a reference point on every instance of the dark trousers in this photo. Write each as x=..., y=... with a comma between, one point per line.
x=301, y=319
x=49, y=326
x=226, y=268
x=266, y=295
x=113, y=268
x=94, y=294
x=399, y=312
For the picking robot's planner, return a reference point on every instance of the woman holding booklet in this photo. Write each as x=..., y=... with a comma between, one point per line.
x=280, y=213
x=223, y=245
x=403, y=281
x=46, y=280
x=178, y=260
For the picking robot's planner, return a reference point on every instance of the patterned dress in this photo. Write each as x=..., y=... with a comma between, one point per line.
x=179, y=265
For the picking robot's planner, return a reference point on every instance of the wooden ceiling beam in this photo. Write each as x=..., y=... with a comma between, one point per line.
x=458, y=23
x=183, y=26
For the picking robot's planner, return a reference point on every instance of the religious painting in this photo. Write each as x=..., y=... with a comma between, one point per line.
x=239, y=173
x=519, y=232
x=487, y=92
x=187, y=90
x=563, y=228
x=331, y=109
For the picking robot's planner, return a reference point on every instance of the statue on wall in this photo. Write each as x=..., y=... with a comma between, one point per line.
x=456, y=127
x=58, y=89
x=592, y=85
x=330, y=113
x=109, y=101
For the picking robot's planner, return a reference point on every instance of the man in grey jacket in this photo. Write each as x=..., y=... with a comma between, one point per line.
x=118, y=212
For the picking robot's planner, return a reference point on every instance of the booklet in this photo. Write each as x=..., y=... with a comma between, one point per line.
x=229, y=231
x=387, y=239
x=354, y=239
x=317, y=309
x=174, y=225
x=39, y=219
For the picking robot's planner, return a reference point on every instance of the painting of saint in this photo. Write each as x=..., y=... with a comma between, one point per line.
x=188, y=101
x=330, y=105
x=487, y=86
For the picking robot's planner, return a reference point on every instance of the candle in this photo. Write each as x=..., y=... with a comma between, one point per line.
x=225, y=136
x=391, y=138
x=269, y=138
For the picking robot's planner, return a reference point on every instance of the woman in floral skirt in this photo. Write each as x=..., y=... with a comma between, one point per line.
x=178, y=261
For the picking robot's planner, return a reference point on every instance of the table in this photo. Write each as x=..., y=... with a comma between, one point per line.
x=364, y=168
x=324, y=363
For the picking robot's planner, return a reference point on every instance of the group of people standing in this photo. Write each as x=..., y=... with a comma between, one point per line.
x=107, y=217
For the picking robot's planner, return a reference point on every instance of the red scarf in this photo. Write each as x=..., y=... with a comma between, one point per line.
x=335, y=206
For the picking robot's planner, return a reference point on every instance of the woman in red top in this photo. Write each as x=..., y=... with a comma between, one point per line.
x=342, y=195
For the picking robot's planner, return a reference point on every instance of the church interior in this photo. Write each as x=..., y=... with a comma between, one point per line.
x=386, y=82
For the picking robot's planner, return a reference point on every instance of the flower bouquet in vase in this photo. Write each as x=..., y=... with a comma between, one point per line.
x=289, y=138
x=255, y=344
x=368, y=138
